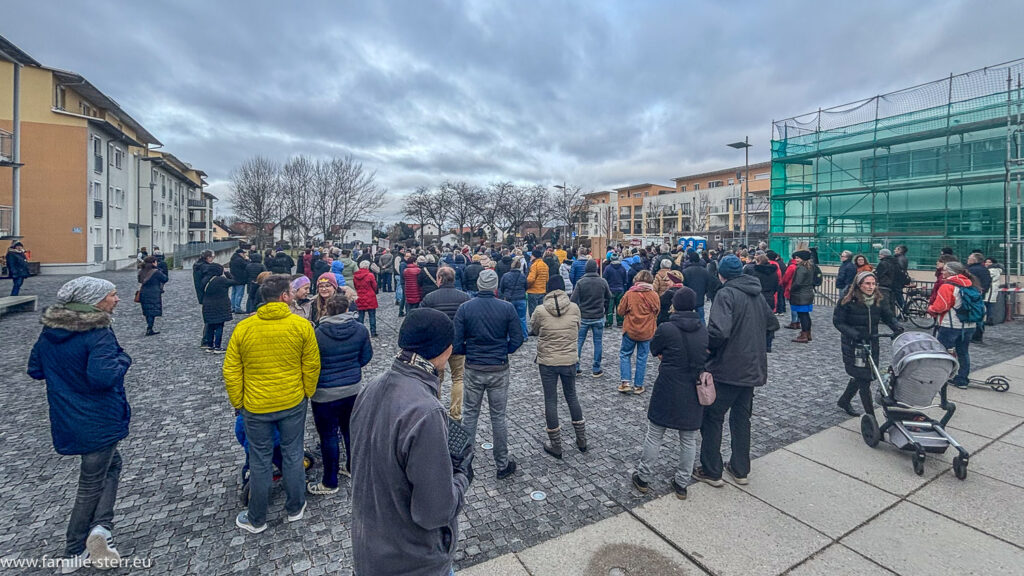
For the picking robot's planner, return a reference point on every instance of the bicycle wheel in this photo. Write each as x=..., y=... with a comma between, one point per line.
x=917, y=312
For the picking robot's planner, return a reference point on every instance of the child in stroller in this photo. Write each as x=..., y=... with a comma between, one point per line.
x=307, y=458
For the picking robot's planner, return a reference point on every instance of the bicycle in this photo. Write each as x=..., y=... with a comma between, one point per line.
x=914, y=308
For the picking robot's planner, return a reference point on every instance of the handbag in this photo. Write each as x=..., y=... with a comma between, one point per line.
x=706, y=389
x=138, y=295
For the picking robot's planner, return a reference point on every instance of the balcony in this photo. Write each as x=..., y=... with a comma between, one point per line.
x=197, y=226
x=196, y=203
x=6, y=147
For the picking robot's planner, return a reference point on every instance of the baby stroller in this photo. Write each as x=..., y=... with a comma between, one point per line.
x=308, y=460
x=920, y=368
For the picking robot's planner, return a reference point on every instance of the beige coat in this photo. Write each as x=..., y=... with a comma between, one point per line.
x=661, y=281
x=556, y=324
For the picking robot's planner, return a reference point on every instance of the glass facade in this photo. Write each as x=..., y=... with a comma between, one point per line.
x=926, y=167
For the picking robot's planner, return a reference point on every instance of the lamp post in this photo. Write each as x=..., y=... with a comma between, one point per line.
x=568, y=209
x=745, y=189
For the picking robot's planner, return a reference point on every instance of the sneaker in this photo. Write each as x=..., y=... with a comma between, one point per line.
x=638, y=390
x=318, y=489
x=741, y=480
x=71, y=564
x=242, y=521
x=961, y=385
x=102, y=553
x=508, y=470
x=579, y=372
x=599, y=373
x=298, y=515
x=217, y=350
x=698, y=473
x=639, y=484
x=679, y=490
x=204, y=347
x=625, y=387
x=344, y=471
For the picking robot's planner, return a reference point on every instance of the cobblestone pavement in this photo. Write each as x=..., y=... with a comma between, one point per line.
x=179, y=487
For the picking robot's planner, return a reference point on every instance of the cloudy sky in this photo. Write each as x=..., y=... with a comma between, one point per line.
x=599, y=94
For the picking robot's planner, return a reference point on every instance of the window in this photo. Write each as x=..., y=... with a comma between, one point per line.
x=714, y=184
x=85, y=109
x=118, y=158
x=731, y=181
x=97, y=152
x=924, y=162
x=624, y=211
x=97, y=200
x=638, y=227
x=696, y=186
x=682, y=187
x=59, y=97
x=762, y=176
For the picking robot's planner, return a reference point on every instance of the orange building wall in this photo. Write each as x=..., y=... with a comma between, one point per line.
x=54, y=188
x=724, y=175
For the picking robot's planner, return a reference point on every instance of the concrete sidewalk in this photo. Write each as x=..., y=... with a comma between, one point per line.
x=827, y=504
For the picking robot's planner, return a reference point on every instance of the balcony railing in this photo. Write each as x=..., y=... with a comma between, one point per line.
x=196, y=203
x=197, y=226
x=6, y=146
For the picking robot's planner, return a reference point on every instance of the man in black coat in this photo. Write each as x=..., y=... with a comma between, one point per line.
x=237, y=265
x=200, y=270
x=470, y=276
x=252, y=271
x=447, y=299
x=17, y=266
x=976, y=266
x=737, y=328
x=321, y=265
x=697, y=278
x=282, y=263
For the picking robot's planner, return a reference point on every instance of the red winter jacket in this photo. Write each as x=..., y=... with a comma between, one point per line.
x=366, y=289
x=787, y=278
x=412, y=286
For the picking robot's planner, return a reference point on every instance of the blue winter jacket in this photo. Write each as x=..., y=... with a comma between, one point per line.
x=337, y=267
x=847, y=273
x=615, y=275
x=344, y=350
x=512, y=286
x=579, y=268
x=487, y=330
x=84, y=367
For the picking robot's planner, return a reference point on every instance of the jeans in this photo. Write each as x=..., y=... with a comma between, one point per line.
x=457, y=365
x=330, y=417
x=532, y=301
x=643, y=348
x=400, y=298
x=700, y=314
x=781, y=300
x=16, y=287
x=958, y=341
x=652, y=446
x=613, y=306
x=385, y=282
x=793, y=316
x=212, y=335
x=549, y=376
x=259, y=431
x=373, y=319
x=520, y=306
x=597, y=326
x=250, y=301
x=94, y=501
x=237, y=294
x=495, y=385
x=739, y=402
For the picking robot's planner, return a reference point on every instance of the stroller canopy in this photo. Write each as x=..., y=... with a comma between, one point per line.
x=921, y=366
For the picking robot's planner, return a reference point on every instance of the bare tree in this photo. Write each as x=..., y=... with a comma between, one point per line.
x=496, y=197
x=701, y=212
x=438, y=207
x=297, y=195
x=255, y=193
x=466, y=201
x=516, y=208
x=359, y=196
x=566, y=204
x=541, y=207
x=324, y=197
x=416, y=207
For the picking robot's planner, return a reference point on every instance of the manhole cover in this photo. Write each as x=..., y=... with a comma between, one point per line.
x=487, y=446
x=538, y=496
x=617, y=572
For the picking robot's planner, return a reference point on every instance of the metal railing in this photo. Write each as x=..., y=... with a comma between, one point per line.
x=827, y=295
x=196, y=203
x=193, y=249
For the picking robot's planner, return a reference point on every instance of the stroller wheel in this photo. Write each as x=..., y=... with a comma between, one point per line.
x=919, y=463
x=869, y=430
x=998, y=383
x=243, y=494
x=308, y=460
x=960, y=467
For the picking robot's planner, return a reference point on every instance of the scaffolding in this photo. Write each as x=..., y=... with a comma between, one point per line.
x=935, y=165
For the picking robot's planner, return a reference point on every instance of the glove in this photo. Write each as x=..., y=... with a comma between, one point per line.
x=464, y=463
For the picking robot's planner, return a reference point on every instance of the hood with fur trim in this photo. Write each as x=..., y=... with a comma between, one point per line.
x=60, y=318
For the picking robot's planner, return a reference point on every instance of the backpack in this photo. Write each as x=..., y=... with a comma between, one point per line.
x=972, y=305
x=818, y=276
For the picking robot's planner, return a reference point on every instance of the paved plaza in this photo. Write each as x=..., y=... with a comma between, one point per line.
x=179, y=487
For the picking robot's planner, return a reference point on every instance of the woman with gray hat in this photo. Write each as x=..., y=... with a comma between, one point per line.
x=801, y=293
x=84, y=368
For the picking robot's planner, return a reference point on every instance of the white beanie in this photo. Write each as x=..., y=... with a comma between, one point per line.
x=85, y=290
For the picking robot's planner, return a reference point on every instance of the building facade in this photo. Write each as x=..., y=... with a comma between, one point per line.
x=86, y=171
x=711, y=204
x=927, y=167
x=630, y=219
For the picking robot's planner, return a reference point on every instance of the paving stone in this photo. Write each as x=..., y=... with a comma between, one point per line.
x=715, y=518
x=507, y=565
x=182, y=462
x=1001, y=461
x=838, y=560
x=1016, y=437
x=939, y=547
x=990, y=505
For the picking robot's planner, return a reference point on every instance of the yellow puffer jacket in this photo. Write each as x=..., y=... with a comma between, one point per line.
x=537, y=280
x=272, y=362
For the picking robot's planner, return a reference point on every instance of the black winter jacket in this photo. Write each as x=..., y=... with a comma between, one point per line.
x=844, y=278
x=217, y=300
x=857, y=322
x=199, y=270
x=769, y=279
x=151, y=294
x=682, y=343
x=238, y=266
x=615, y=275
x=737, y=325
x=503, y=266
x=697, y=278
x=889, y=274
x=281, y=264
x=470, y=275
x=487, y=330
x=445, y=299
x=801, y=292
x=17, y=264
x=666, y=305
x=512, y=286
x=319, y=267
x=592, y=295
x=427, y=279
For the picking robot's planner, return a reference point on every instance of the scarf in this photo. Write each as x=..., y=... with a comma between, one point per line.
x=868, y=300
x=416, y=361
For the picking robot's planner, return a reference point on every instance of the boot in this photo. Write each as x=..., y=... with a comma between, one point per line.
x=151, y=332
x=793, y=326
x=803, y=338
x=844, y=400
x=554, y=447
x=809, y=336
x=581, y=434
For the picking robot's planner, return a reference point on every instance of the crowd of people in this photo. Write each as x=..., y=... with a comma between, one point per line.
x=308, y=329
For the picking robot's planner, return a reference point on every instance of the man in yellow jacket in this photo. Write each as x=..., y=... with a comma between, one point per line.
x=272, y=365
x=536, y=282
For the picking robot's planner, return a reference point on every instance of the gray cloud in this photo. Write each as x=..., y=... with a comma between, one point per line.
x=601, y=94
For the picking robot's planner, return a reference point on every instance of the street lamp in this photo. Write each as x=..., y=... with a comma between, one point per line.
x=745, y=189
x=563, y=189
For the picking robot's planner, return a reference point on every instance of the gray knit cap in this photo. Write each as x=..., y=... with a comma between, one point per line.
x=487, y=281
x=84, y=290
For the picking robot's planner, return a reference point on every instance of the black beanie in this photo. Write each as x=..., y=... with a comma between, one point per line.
x=555, y=283
x=591, y=266
x=684, y=300
x=426, y=332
